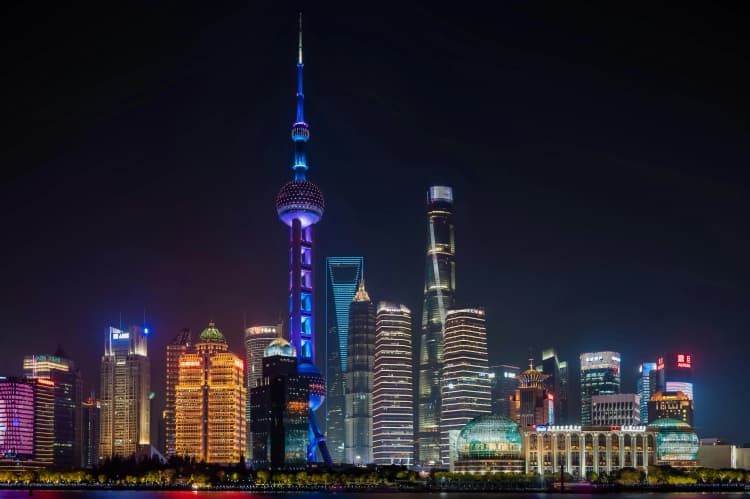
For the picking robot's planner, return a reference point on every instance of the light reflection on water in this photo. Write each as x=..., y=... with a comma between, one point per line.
x=187, y=494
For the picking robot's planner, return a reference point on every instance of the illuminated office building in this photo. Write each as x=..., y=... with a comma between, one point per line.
x=125, y=385
x=257, y=338
x=178, y=346
x=467, y=389
x=91, y=418
x=44, y=421
x=67, y=388
x=393, y=392
x=532, y=404
x=673, y=373
x=16, y=421
x=671, y=405
x=279, y=411
x=299, y=205
x=619, y=409
x=343, y=274
x=643, y=387
x=210, y=401
x=358, y=379
x=439, y=291
x=600, y=375
x=556, y=383
x=504, y=383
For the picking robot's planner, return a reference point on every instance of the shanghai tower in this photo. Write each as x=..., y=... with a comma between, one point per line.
x=299, y=205
x=439, y=291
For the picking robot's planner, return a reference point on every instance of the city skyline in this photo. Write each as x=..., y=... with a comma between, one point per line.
x=610, y=285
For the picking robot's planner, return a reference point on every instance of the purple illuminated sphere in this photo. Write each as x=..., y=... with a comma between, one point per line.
x=300, y=199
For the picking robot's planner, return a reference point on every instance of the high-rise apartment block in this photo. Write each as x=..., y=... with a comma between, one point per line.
x=600, y=375
x=178, y=346
x=343, y=274
x=393, y=392
x=67, y=387
x=467, y=388
x=210, y=401
x=358, y=379
x=439, y=296
x=125, y=385
x=621, y=409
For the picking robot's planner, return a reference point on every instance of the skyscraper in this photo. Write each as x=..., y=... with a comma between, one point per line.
x=210, y=401
x=343, y=274
x=44, y=421
x=125, y=388
x=555, y=384
x=643, y=387
x=178, y=346
x=600, y=375
x=674, y=373
x=91, y=418
x=257, y=339
x=466, y=386
x=279, y=411
x=532, y=403
x=504, y=384
x=564, y=417
x=393, y=392
x=299, y=205
x=68, y=388
x=439, y=290
x=16, y=420
x=358, y=379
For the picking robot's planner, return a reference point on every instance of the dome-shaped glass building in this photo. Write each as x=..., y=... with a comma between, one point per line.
x=489, y=444
x=676, y=443
x=279, y=346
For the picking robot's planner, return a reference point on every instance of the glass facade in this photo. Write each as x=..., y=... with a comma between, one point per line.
x=16, y=420
x=504, y=383
x=676, y=443
x=358, y=379
x=466, y=386
x=125, y=386
x=343, y=274
x=488, y=444
x=257, y=338
x=643, y=387
x=439, y=291
x=393, y=393
x=600, y=375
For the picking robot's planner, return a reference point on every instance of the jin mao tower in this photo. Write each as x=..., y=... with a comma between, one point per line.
x=299, y=205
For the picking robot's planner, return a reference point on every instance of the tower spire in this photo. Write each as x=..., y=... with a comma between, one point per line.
x=300, y=129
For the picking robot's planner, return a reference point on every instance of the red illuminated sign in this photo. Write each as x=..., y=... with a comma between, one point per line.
x=684, y=360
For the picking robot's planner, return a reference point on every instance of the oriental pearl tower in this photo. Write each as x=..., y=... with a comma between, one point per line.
x=300, y=206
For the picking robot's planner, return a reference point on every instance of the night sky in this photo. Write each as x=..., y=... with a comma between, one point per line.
x=598, y=156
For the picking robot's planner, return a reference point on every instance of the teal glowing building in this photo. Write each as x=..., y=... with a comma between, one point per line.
x=343, y=274
x=300, y=205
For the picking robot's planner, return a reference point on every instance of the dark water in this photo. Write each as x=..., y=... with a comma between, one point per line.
x=150, y=494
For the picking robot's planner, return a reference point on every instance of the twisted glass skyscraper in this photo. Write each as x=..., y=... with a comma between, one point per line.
x=439, y=289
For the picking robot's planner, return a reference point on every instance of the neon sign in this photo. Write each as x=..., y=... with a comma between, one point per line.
x=120, y=336
x=684, y=360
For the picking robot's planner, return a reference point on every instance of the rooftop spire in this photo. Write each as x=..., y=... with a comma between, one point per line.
x=300, y=129
x=361, y=294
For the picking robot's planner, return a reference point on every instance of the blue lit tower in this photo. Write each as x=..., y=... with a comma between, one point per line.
x=300, y=205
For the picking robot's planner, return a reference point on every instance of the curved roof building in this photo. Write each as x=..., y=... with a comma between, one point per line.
x=489, y=444
x=676, y=443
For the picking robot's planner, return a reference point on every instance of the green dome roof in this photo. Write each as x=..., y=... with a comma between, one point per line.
x=667, y=423
x=211, y=335
x=675, y=441
x=489, y=437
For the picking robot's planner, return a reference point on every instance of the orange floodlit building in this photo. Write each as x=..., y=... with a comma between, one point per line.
x=210, y=401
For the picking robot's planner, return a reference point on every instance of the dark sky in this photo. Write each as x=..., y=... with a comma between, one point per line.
x=598, y=156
